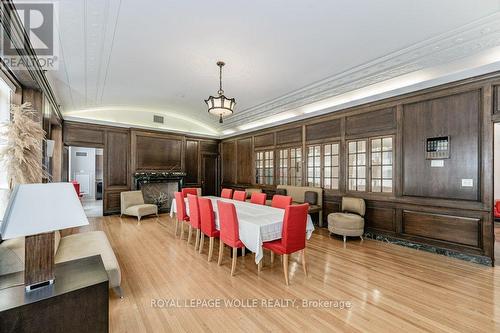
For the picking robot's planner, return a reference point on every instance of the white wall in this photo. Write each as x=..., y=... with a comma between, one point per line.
x=83, y=165
x=496, y=160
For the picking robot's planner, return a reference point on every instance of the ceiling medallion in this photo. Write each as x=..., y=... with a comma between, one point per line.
x=220, y=106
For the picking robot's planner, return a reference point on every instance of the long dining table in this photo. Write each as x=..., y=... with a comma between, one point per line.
x=257, y=223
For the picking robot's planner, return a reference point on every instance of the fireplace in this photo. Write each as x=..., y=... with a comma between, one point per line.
x=152, y=183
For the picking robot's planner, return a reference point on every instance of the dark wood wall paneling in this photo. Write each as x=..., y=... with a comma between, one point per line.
x=228, y=151
x=192, y=161
x=288, y=136
x=130, y=150
x=374, y=121
x=156, y=151
x=428, y=205
x=246, y=169
x=496, y=97
x=264, y=140
x=323, y=130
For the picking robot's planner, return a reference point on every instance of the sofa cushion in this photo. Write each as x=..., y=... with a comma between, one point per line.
x=88, y=244
x=250, y=191
x=280, y=191
x=141, y=210
x=311, y=197
x=12, y=256
x=346, y=221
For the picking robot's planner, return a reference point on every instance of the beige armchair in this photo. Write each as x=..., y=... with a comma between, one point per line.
x=351, y=221
x=132, y=203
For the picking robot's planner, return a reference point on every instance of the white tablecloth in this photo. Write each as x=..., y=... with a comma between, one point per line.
x=257, y=223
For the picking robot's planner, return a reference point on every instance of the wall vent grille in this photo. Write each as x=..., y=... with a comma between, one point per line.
x=158, y=119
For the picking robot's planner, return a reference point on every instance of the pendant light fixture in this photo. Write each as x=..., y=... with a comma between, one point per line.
x=220, y=106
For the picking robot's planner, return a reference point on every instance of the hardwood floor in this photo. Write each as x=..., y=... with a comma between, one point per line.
x=391, y=288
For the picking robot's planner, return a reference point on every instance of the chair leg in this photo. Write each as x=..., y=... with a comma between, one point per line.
x=190, y=233
x=259, y=266
x=202, y=239
x=211, y=249
x=182, y=229
x=304, y=261
x=285, y=267
x=361, y=237
x=272, y=257
x=243, y=251
x=138, y=219
x=221, y=252
x=197, y=242
x=176, y=227
x=233, y=264
x=345, y=238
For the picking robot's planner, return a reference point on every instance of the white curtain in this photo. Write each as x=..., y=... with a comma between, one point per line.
x=5, y=93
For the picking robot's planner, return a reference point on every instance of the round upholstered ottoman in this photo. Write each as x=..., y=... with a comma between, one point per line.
x=347, y=223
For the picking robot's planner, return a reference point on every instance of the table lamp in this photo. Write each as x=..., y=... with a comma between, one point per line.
x=36, y=211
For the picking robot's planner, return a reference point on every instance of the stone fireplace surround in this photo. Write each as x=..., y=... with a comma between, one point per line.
x=152, y=183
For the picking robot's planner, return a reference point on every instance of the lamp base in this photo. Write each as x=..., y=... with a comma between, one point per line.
x=39, y=260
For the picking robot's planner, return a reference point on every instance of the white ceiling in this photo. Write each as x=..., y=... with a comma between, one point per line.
x=124, y=60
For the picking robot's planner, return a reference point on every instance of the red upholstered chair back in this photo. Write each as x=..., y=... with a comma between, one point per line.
x=497, y=205
x=226, y=193
x=181, y=207
x=229, y=232
x=207, y=216
x=281, y=201
x=194, y=211
x=187, y=190
x=258, y=198
x=76, y=185
x=293, y=236
x=239, y=195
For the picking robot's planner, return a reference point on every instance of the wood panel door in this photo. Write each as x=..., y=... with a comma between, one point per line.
x=209, y=174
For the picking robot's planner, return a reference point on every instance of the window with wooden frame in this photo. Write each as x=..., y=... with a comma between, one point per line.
x=296, y=166
x=283, y=167
x=264, y=167
x=331, y=166
x=381, y=164
x=314, y=166
x=290, y=166
x=356, y=167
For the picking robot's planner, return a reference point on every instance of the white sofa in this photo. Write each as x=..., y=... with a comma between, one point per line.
x=67, y=248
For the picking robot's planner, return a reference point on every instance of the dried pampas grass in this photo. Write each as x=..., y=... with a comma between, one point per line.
x=22, y=153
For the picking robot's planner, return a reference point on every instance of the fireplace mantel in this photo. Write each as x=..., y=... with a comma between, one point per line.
x=152, y=183
x=143, y=177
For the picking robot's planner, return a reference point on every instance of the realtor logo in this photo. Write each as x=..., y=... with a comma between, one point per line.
x=38, y=19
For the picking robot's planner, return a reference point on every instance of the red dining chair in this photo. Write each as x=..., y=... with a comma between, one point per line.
x=189, y=190
x=239, y=195
x=229, y=232
x=194, y=219
x=293, y=236
x=76, y=185
x=281, y=201
x=258, y=198
x=226, y=193
x=207, y=218
x=181, y=213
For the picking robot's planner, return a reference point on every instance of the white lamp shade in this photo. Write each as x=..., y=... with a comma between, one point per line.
x=39, y=208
